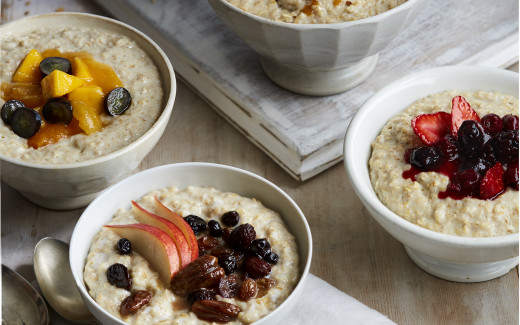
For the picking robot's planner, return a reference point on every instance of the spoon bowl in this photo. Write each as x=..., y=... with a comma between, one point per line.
x=54, y=275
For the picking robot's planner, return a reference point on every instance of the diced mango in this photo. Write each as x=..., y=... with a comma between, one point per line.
x=51, y=133
x=80, y=70
x=89, y=119
x=51, y=52
x=59, y=83
x=72, y=55
x=27, y=93
x=29, y=69
x=103, y=74
x=91, y=95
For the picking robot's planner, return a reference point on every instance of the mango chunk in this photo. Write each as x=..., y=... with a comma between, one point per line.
x=90, y=95
x=103, y=75
x=80, y=70
x=52, y=133
x=59, y=83
x=29, y=69
x=89, y=119
x=51, y=52
x=28, y=93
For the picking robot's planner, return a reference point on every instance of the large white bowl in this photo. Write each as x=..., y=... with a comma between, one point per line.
x=462, y=259
x=181, y=175
x=318, y=59
x=74, y=185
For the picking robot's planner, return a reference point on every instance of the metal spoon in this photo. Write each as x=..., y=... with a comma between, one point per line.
x=53, y=273
x=21, y=303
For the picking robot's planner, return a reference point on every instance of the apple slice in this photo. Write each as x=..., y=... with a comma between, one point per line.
x=156, y=246
x=146, y=217
x=162, y=211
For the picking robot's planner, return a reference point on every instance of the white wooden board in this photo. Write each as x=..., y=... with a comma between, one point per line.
x=305, y=134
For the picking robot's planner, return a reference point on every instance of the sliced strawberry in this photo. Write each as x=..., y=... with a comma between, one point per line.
x=493, y=183
x=460, y=112
x=431, y=127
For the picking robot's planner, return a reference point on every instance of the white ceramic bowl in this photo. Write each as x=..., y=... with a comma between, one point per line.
x=462, y=259
x=74, y=185
x=318, y=59
x=181, y=175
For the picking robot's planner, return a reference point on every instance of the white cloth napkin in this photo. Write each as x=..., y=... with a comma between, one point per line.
x=321, y=303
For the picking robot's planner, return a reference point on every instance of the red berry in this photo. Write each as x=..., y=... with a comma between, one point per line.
x=511, y=176
x=431, y=128
x=493, y=183
x=510, y=122
x=460, y=112
x=492, y=123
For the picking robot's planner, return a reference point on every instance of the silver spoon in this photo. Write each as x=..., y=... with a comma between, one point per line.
x=53, y=273
x=21, y=303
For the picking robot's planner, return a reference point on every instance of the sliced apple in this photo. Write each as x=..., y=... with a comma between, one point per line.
x=156, y=246
x=167, y=226
x=162, y=211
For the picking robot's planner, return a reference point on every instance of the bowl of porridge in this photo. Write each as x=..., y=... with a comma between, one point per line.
x=84, y=99
x=451, y=201
x=241, y=256
x=318, y=47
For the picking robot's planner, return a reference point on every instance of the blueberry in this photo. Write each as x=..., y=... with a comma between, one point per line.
x=471, y=138
x=426, y=158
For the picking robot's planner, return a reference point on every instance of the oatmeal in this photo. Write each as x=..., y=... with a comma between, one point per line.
x=164, y=306
x=426, y=201
x=133, y=66
x=315, y=11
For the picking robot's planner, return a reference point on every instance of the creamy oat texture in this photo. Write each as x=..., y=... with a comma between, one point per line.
x=165, y=307
x=315, y=11
x=418, y=201
x=133, y=66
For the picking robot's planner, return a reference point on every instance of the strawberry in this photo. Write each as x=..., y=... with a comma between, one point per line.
x=492, y=184
x=461, y=111
x=431, y=127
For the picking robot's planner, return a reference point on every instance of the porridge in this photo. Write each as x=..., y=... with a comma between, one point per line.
x=456, y=195
x=315, y=11
x=131, y=64
x=169, y=303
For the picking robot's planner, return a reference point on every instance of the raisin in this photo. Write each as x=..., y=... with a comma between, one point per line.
x=226, y=233
x=248, y=290
x=215, y=311
x=196, y=223
x=228, y=286
x=264, y=284
x=124, y=247
x=207, y=243
x=271, y=258
x=117, y=275
x=215, y=229
x=256, y=267
x=260, y=247
x=201, y=294
x=134, y=302
x=242, y=236
x=204, y=272
x=228, y=263
x=231, y=218
x=221, y=250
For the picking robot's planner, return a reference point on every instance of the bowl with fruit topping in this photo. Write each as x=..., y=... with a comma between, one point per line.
x=83, y=99
x=191, y=243
x=434, y=158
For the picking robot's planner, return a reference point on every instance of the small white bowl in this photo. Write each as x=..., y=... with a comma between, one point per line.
x=462, y=259
x=318, y=59
x=74, y=185
x=223, y=178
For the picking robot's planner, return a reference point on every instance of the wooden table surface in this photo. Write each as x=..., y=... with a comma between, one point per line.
x=351, y=251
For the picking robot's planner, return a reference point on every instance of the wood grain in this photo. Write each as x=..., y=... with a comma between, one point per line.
x=351, y=251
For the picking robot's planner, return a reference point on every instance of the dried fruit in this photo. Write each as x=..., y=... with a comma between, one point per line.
x=460, y=112
x=231, y=218
x=271, y=258
x=248, y=290
x=264, y=284
x=221, y=250
x=215, y=311
x=215, y=229
x=117, y=275
x=228, y=286
x=124, y=246
x=201, y=294
x=204, y=272
x=228, y=263
x=261, y=247
x=493, y=183
x=431, y=128
x=242, y=236
x=256, y=267
x=196, y=223
x=207, y=242
x=134, y=302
